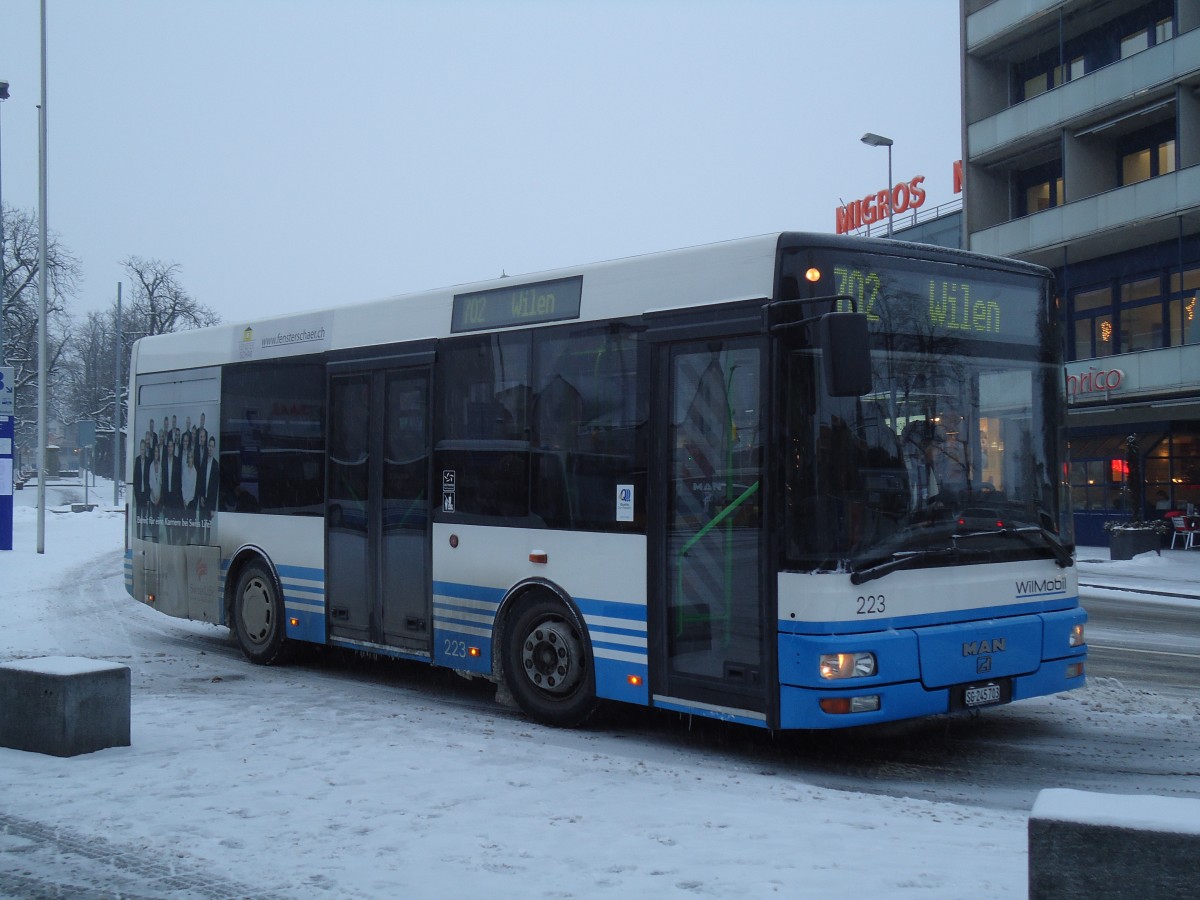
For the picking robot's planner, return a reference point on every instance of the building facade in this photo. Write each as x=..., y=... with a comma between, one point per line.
x=1081, y=152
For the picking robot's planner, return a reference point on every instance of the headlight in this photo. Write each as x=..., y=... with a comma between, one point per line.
x=847, y=665
x=1077, y=639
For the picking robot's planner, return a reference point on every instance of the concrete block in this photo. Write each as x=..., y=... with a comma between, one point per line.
x=64, y=705
x=1113, y=846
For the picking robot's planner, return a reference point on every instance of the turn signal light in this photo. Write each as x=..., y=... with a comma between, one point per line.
x=842, y=705
x=1074, y=670
x=293, y=621
x=634, y=680
x=473, y=652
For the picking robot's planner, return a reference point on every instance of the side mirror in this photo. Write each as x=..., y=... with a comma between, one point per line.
x=846, y=349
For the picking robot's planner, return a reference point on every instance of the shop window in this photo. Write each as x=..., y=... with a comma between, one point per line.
x=1142, y=315
x=1184, y=327
x=1171, y=467
x=1039, y=188
x=1070, y=71
x=1094, y=336
x=1188, y=281
x=1135, y=167
x=1141, y=328
x=1139, y=291
x=1038, y=84
x=1147, y=153
x=1100, y=472
x=1134, y=43
x=1043, y=196
x=1166, y=157
x=1095, y=299
x=1041, y=75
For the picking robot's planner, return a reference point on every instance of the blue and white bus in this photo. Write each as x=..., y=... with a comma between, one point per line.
x=796, y=481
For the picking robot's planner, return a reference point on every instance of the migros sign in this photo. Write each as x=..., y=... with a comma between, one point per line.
x=874, y=207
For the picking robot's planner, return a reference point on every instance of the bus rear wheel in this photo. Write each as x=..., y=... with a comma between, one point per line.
x=547, y=666
x=258, y=616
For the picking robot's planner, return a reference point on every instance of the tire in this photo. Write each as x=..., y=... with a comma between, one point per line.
x=258, y=621
x=547, y=666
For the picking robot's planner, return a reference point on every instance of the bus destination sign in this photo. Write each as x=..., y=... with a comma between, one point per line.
x=523, y=304
x=940, y=300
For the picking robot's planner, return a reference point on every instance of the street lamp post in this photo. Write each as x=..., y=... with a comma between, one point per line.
x=878, y=140
x=116, y=418
x=7, y=432
x=3, y=96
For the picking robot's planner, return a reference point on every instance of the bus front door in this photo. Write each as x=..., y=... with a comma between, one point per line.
x=708, y=533
x=377, y=513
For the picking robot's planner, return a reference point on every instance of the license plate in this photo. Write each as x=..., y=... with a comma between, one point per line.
x=982, y=696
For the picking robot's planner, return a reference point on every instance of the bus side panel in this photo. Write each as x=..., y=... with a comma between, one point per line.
x=603, y=574
x=295, y=545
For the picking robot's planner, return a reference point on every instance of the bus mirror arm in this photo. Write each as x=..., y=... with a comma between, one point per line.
x=772, y=308
x=843, y=336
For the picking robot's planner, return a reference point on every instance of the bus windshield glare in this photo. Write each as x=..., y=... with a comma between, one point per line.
x=952, y=457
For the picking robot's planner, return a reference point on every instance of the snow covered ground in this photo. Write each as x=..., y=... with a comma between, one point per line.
x=319, y=781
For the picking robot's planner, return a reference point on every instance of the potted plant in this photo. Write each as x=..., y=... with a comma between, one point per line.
x=1127, y=538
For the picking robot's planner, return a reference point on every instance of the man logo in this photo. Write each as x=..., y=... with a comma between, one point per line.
x=978, y=648
x=983, y=664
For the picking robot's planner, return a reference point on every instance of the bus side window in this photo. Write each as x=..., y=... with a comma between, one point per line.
x=481, y=427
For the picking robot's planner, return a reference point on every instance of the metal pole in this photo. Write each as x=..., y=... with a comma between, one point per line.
x=891, y=191
x=3, y=97
x=117, y=406
x=43, y=287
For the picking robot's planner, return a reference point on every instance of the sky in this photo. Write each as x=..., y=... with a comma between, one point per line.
x=311, y=781
x=296, y=154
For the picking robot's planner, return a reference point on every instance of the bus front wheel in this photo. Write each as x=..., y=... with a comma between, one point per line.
x=258, y=616
x=547, y=666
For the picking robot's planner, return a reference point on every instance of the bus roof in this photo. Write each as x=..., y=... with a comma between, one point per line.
x=723, y=272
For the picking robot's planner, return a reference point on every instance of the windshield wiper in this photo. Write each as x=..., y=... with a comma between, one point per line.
x=1062, y=555
x=907, y=559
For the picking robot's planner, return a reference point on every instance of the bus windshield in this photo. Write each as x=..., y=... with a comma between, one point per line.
x=951, y=458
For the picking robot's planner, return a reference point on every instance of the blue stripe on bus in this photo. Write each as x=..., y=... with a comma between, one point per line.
x=469, y=591
x=304, y=572
x=613, y=609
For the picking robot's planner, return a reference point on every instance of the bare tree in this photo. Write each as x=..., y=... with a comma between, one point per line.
x=19, y=306
x=159, y=304
x=86, y=391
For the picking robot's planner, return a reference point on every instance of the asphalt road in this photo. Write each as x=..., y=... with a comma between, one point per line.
x=1144, y=644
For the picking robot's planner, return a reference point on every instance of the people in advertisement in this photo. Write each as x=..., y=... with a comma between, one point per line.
x=176, y=479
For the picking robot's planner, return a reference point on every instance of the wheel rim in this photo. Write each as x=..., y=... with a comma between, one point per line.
x=550, y=657
x=257, y=610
